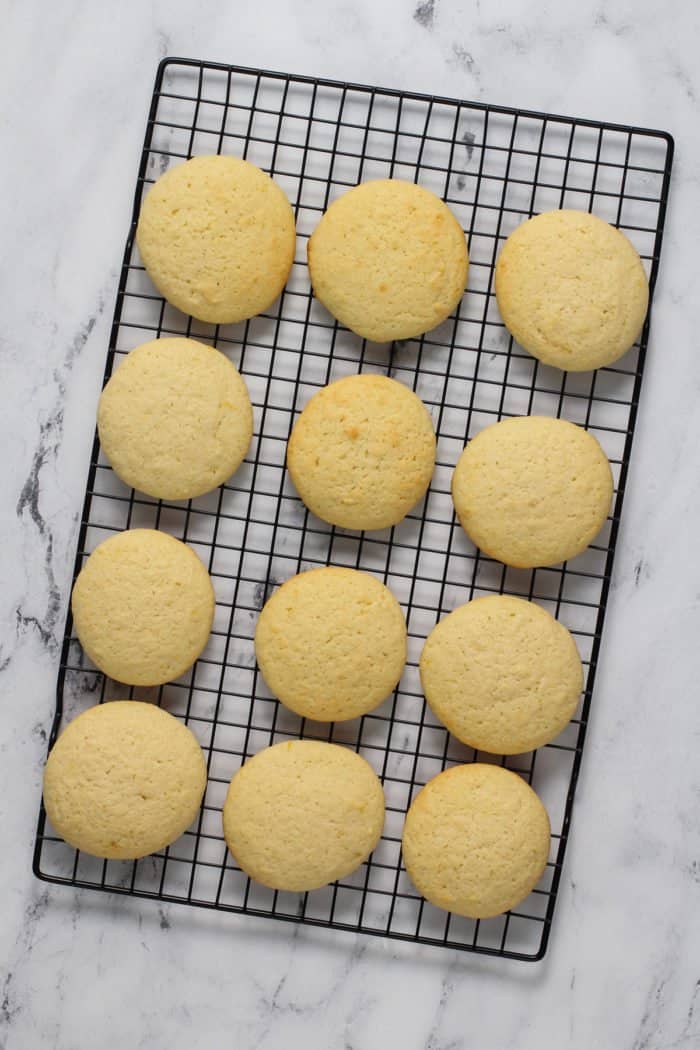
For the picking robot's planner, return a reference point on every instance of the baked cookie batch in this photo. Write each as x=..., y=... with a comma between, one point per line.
x=389, y=261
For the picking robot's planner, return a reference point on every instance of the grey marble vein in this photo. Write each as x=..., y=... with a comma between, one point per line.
x=463, y=59
x=424, y=14
x=29, y=508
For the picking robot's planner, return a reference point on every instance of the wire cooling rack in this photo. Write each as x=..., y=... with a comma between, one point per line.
x=494, y=167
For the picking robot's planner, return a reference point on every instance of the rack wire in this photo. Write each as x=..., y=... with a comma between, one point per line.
x=495, y=167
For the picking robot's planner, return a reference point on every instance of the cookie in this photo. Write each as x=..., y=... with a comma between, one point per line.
x=362, y=452
x=175, y=419
x=532, y=490
x=143, y=607
x=331, y=643
x=303, y=813
x=571, y=290
x=217, y=238
x=501, y=674
x=476, y=840
x=124, y=779
x=388, y=260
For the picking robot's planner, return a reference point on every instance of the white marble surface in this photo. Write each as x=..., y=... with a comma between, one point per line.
x=81, y=970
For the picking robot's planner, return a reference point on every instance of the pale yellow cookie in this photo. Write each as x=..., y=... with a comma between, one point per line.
x=362, y=452
x=476, y=840
x=124, y=779
x=303, y=813
x=572, y=290
x=331, y=643
x=532, y=490
x=501, y=674
x=388, y=260
x=217, y=238
x=143, y=607
x=175, y=419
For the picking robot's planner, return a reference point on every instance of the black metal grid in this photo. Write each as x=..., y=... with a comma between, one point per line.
x=494, y=167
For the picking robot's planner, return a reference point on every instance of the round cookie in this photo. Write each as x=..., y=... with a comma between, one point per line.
x=123, y=780
x=303, y=813
x=175, y=419
x=217, y=238
x=331, y=643
x=362, y=452
x=572, y=290
x=501, y=674
x=143, y=607
x=388, y=260
x=476, y=840
x=532, y=490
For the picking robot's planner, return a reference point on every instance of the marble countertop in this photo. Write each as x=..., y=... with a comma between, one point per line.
x=79, y=969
